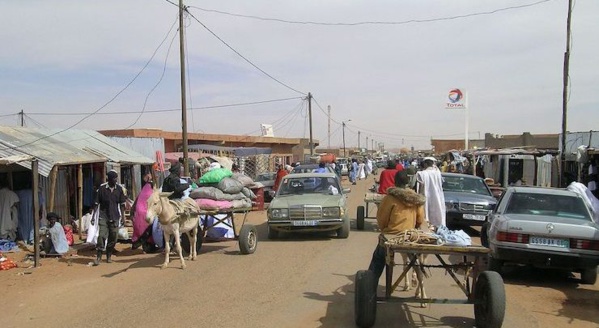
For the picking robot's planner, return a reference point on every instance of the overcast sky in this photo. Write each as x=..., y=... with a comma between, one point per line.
x=390, y=80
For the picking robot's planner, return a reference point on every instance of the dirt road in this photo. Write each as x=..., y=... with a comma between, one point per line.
x=299, y=281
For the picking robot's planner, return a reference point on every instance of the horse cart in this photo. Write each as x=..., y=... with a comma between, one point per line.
x=363, y=212
x=245, y=234
x=483, y=289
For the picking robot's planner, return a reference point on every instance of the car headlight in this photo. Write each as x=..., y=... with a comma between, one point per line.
x=449, y=206
x=331, y=212
x=279, y=213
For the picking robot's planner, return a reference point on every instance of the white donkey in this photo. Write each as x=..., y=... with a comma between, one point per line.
x=174, y=223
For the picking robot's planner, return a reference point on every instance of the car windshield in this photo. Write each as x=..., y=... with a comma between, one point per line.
x=295, y=186
x=548, y=204
x=465, y=184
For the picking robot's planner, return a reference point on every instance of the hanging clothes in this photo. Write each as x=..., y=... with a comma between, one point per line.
x=8, y=214
x=25, y=214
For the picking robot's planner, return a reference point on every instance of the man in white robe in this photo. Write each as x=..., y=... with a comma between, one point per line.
x=8, y=212
x=430, y=184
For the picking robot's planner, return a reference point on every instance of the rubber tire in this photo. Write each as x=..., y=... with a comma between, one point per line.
x=484, y=235
x=343, y=232
x=365, y=298
x=495, y=264
x=360, y=215
x=272, y=233
x=588, y=276
x=185, y=243
x=248, y=239
x=489, y=297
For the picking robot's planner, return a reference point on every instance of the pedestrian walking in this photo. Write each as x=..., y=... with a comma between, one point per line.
x=429, y=183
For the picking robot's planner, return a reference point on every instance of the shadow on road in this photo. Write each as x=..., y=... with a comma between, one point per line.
x=581, y=301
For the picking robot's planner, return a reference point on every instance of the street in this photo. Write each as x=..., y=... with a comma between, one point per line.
x=297, y=281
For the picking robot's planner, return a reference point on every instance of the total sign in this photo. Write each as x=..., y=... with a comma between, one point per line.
x=456, y=99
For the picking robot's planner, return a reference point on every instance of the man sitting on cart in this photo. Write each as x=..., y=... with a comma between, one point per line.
x=400, y=210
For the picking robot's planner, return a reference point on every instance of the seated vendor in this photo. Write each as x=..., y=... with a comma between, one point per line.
x=55, y=241
x=400, y=210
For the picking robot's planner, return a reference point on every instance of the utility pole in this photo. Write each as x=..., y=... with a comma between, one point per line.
x=310, y=117
x=183, y=95
x=22, y=115
x=329, y=120
x=565, y=95
x=366, y=143
x=358, y=140
x=343, y=131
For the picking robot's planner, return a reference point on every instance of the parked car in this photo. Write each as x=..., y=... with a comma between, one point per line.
x=268, y=181
x=468, y=199
x=543, y=227
x=299, y=205
x=343, y=162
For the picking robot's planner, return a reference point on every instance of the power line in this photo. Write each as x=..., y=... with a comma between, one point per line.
x=166, y=110
x=161, y=76
x=94, y=112
x=410, y=21
x=243, y=57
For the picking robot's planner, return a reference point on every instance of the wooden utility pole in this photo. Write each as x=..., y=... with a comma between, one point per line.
x=343, y=133
x=22, y=115
x=329, y=125
x=358, y=140
x=36, y=212
x=565, y=95
x=310, y=118
x=183, y=95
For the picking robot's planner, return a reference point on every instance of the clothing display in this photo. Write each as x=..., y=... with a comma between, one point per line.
x=8, y=214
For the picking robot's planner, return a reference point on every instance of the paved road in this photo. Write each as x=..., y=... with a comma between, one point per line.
x=299, y=281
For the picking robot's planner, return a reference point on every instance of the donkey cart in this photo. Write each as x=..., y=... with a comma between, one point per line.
x=483, y=289
x=363, y=212
x=245, y=234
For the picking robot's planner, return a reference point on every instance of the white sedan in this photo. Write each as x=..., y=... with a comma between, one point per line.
x=544, y=227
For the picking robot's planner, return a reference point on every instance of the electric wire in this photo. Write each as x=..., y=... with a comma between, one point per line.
x=243, y=57
x=410, y=21
x=161, y=75
x=14, y=147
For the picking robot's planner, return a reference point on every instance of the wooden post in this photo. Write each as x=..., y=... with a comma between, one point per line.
x=36, y=212
x=133, y=184
x=53, y=175
x=80, y=198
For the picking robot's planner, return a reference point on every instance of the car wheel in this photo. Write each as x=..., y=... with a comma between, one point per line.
x=365, y=298
x=272, y=233
x=489, y=300
x=484, y=234
x=360, y=218
x=495, y=264
x=248, y=239
x=343, y=232
x=588, y=276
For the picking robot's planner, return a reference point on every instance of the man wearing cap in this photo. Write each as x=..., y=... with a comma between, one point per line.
x=111, y=199
x=173, y=183
x=429, y=183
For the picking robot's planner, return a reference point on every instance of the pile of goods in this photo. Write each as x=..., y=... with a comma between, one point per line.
x=220, y=189
x=6, y=263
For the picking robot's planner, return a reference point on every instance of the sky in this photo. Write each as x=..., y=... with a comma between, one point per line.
x=385, y=67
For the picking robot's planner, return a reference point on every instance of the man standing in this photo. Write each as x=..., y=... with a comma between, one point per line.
x=321, y=168
x=429, y=183
x=111, y=199
x=281, y=172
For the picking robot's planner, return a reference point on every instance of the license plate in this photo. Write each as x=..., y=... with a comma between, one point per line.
x=304, y=223
x=474, y=217
x=553, y=242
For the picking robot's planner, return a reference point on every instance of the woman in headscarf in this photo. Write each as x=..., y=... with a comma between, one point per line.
x=142, y=230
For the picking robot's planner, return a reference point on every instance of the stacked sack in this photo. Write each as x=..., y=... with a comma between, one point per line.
x=220, y=190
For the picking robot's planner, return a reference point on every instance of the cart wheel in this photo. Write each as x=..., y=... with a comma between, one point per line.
x=185, y=243
x=489, y=298
x=248, y=239
x=588, y=276
x=272, y=233
x=484, y=235
x=365, y=298
x=360, y=218
x=343, y=232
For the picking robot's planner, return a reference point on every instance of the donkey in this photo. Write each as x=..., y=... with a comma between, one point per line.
x=174, y=223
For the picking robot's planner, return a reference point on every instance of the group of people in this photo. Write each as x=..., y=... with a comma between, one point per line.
x=360, y=169
x=410, y=202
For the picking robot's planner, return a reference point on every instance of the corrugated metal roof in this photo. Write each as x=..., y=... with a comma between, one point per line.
x=56, y=147
x=46, y=148
x=96, y=143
